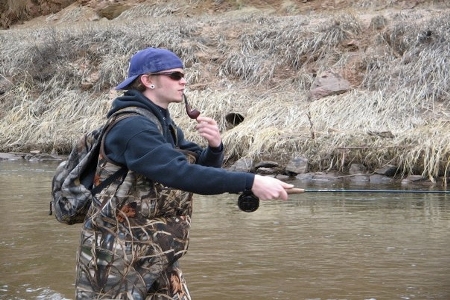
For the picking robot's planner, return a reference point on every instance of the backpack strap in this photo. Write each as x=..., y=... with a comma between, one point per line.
x=123, y=114
x=119, y=173
x=134, y=110
x=113, y=119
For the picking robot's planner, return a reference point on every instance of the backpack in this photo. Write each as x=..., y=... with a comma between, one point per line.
x=73, y=183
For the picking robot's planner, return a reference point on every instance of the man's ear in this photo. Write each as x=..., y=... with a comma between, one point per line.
x=147, y=81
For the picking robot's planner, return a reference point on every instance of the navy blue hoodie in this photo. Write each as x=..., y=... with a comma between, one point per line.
x=137, y=143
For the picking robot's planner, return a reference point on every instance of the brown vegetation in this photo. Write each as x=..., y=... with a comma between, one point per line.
x=255, y=58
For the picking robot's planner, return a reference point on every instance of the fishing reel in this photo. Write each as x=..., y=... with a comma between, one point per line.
x=248, y=202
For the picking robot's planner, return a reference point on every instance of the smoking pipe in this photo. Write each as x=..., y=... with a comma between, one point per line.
x=192, y=113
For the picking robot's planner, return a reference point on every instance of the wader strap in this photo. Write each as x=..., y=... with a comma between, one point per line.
x=121, y=172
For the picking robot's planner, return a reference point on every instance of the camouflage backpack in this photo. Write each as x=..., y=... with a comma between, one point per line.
x=73, y=182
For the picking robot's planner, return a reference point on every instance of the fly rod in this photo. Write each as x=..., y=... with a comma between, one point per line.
x=299, y=191
x=248, y=202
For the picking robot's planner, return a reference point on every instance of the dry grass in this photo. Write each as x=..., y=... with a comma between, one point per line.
x=256, y=64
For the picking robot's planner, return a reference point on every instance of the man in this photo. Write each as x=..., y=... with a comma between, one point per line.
x=138, y=227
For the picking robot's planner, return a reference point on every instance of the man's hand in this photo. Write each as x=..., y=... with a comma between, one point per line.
x=207, y=128
x=267, y=188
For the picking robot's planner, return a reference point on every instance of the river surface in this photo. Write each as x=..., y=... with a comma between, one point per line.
x=367, y=246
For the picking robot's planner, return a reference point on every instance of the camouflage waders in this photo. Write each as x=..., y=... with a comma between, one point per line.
x=132, y=238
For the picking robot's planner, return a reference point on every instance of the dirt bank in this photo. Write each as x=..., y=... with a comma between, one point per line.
x=337, y=83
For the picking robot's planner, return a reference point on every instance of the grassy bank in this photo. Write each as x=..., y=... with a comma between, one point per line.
x=56, y=81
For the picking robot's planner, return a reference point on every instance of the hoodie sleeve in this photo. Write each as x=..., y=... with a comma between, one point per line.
x=137, y=143
x=206, y=156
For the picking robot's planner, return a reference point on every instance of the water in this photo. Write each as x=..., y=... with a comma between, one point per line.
x=313, y=246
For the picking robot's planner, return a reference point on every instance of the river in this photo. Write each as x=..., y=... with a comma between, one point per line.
x=366, y=246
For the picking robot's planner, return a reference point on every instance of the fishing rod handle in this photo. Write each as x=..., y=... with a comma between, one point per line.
x=295, y=191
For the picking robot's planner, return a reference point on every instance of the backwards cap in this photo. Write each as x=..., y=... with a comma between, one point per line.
x=150, y=60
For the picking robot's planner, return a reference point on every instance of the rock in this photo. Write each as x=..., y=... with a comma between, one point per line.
x=388, y=170
x=306, y=177
x=266, y=171
x=297, y=165
x=415, y=178
x=266, y=167
x=358, y=179
x=357, y=169
x=34, y=155
x=242, y=165
x=328, y=83
x=379, y=179
x=283, y=177
x=48, y=157
x=326, y=177
x=10, y=156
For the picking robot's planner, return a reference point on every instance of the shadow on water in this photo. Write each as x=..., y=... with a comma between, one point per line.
x=313, y=246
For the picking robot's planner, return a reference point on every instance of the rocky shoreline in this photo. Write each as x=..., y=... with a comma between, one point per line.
x=30, y=156
x=296, y=169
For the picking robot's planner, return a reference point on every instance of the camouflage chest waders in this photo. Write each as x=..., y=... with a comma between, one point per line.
x=132, y=238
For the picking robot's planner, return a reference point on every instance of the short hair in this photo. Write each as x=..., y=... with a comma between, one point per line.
x=137, y=85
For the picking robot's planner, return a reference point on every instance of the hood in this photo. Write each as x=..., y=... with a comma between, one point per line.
x=136, y=98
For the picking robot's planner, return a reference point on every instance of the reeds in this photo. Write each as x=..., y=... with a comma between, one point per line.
x=258, y=65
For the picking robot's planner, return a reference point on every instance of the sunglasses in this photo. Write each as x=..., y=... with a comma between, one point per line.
x=172, y=75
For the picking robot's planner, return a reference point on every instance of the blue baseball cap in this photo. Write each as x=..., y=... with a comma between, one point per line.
x=150, y=60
